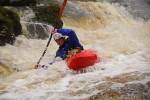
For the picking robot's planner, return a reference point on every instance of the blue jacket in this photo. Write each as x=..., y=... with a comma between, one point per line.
x=71, y=42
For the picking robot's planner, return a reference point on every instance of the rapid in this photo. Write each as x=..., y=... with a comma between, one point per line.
x=121, y=40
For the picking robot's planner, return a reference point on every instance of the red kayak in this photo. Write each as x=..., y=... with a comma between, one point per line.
x=82, y=59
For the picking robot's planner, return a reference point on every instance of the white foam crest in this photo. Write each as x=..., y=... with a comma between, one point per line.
x=26, y=15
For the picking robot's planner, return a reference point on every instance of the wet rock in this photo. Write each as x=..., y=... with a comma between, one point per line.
x=10, y=26
x=23, y=3
x=71, y=9
x=50, y=2
x=42, y=15
x=44, y=2
x=4, y=2
x=48, y=15
x=38, y=31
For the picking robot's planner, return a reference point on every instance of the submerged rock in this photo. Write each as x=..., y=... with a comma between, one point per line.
x=10, y=26
x=38, y=31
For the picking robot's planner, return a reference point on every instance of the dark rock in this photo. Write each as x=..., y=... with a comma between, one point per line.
x=38, y=31
x=51, y=2
x=24, y=3
x=48, y=15
x=10, y=26
x=4, y=2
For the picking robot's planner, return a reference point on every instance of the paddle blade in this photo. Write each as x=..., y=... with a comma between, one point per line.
x=61, y=10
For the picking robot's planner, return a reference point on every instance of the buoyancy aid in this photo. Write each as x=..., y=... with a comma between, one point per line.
x=69, y=50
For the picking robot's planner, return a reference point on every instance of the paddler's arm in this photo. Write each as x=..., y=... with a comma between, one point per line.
x=59, y=56
x=44, y=66
x=72, y=37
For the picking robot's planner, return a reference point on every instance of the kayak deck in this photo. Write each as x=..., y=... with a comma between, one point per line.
x=82, y=59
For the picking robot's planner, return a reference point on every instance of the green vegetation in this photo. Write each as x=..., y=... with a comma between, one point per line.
x=10, y=26
x=48, y=15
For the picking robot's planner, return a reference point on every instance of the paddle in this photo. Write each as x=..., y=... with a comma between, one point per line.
x=60, y=13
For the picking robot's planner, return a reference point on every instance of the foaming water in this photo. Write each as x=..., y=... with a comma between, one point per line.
x=121, y=41
x=25, y=13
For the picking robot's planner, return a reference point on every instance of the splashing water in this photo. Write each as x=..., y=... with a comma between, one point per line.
x=122, y=42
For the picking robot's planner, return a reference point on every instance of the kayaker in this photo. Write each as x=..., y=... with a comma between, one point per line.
x=67, y=47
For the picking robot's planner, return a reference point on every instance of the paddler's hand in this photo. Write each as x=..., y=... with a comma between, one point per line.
x=37, y=66
x=54, y=31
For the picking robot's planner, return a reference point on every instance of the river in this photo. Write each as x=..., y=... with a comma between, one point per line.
x=121, y=40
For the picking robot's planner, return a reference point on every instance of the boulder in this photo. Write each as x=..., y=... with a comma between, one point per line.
x=38, y=31
x=23, y=3
x=10, y=26
x=48, y=15
x=4, y=2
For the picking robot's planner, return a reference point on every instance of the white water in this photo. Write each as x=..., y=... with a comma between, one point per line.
x=123, y=43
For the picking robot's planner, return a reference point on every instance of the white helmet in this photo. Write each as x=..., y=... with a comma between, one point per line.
x=57, y=36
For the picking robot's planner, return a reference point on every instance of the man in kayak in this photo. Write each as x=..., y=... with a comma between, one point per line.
x=67, y=47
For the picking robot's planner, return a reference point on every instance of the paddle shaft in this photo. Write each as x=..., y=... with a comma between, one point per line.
x=60, y=13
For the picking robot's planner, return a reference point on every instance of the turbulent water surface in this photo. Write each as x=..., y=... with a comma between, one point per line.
x=121, y=40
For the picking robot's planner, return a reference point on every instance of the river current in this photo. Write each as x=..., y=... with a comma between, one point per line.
x=121, y=40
